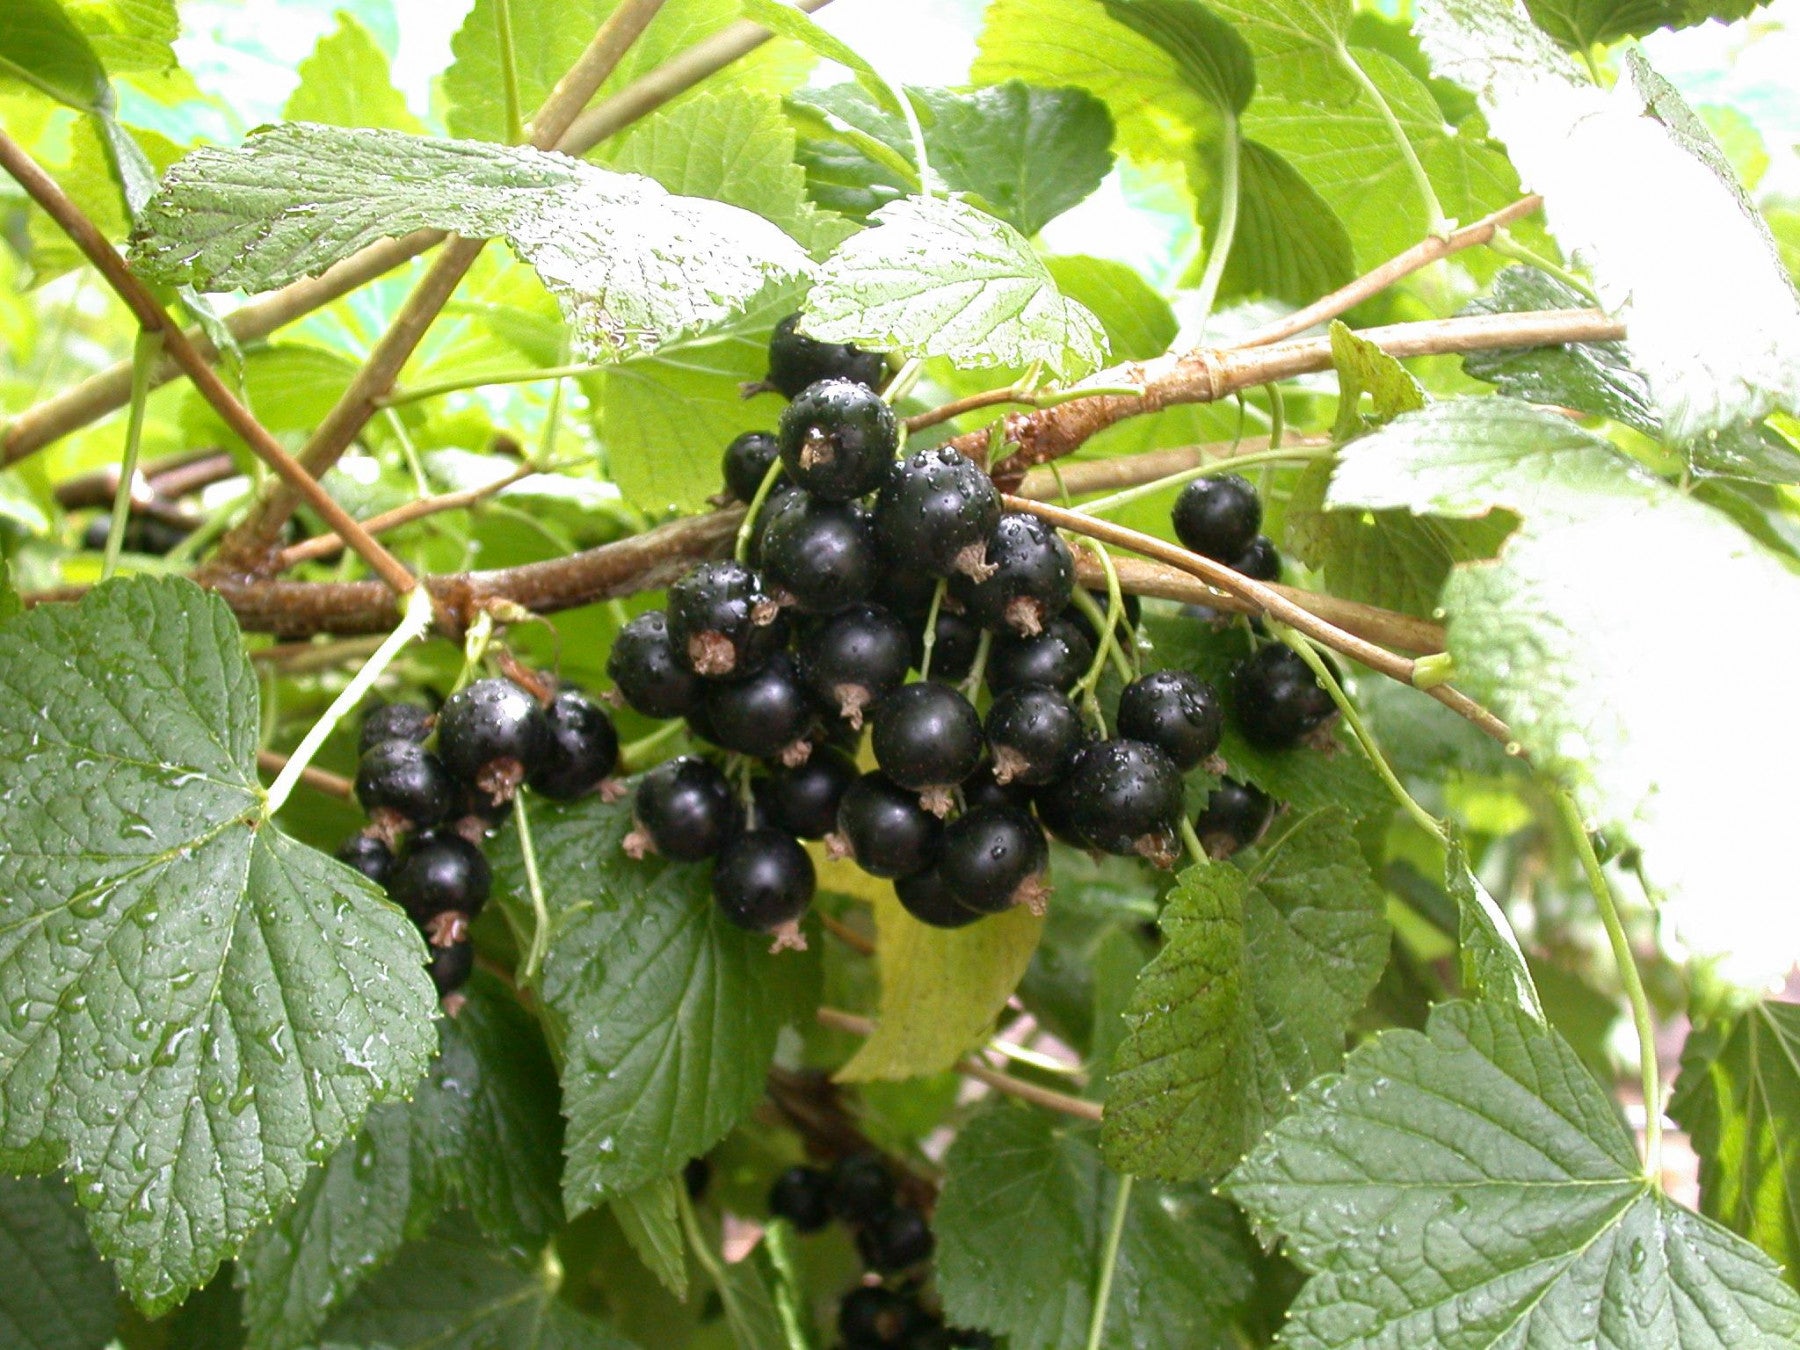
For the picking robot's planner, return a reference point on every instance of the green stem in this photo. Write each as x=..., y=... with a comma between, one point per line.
x=1191, y=842
x=409, y=452
x=540, y=910
x=741, y=551
x=928, y=642
x=632, y=756
x=1507, y=246
x=144, y=356
x=509, y=72
x=404, y=396
x=1629, y=977
x=1293, y=454
x=1277, y=415
x=415, y=623
x=475, y=645
x=1109, y=1263
x=1219, y=247
x=904, y=380
x=971, y=684
x=1108, y=646
x=1439, y=224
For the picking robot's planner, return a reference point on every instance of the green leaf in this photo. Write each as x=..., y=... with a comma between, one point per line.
x=744, y=1287
x=1363, y=368
x=1249, y=999
x=58, y=1295
x=1472, y=1185
x=345, y=83
x=41, y=46
x=452, y=1292
x=1208, y=52
x=1290, y=244
x=650, y=1220
x=20, y=507
x=940, y=278
x=1583, y=24
x=100, y=151
x=193, y=1008
x=1739, y=1100
x=1493, y=967
x=1139, y=323
x=1022, y=1225
x=630, y=265
x=1565, y=636
x=666, y=1013
x=129, y=35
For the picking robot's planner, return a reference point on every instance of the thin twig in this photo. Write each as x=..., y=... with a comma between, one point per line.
x=272, y=763
x=325, y=545
x=847, y=935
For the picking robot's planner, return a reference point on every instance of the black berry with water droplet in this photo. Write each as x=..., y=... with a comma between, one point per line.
x=804, y=799
x=994, y=858
x=1032, y=578
x=1127, y=799
x=854, y=659
x=1276, y=700
x=583, y=747
x=683, y=811
x=406, y=779
x=441, y=872
x=644, y=666
x=722, y=622
x=953, y=653
x=1217, y=517
x=820, y=553
x=764, y=714
x=394, y=722
x=935, y=513
x=927, y=737
x=1033, y=732
x=796, y=360
x=368, y=855
x=763, y=881
x=1176, y=711
x=1058, y=658
x=895, y=1241
x=885, y=829
x=838, y=440
x=1235, y=816
x=492, y=734
x=746, y=463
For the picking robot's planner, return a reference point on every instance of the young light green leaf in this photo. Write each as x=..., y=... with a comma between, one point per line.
x=1472, y=1185
x=129, y=35
x=1631, y=183
x=345, y=83
x=1290, y=244
x=1208, y=52
x=1581, y=25
x=650, y=1219
x=667, y=1013
x=1260, y=973
x=58, y=1294
x=194, y=1009
x=1022, y=1227
x=1139, y=323
x=1739, y=1100
x=940, y=278
x=1493, y=966
x=1363, y=368
x=1563, y=636
x=630, y=265
x=41, y=46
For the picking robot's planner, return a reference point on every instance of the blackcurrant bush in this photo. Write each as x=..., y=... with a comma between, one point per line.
x=368, y=855
x=896, y=1240
x=1235, y=817
x=763, y=881
x=441, y=872
x=722, y=622
x=583, y=747
x=796, y=360
x=882, y=826
x=802, y=1196
x=994, y=858
x=766, y=714
x=683, y=810
x=861, y=1188
x=1176, y=711
x=1275, y=699
x=394, y=722
x=935, y=514
x=927, y=737
x=822, y=554
x=953, y=653
x=926, y=897
x=1127, y=799
x=1058, y=657
x=804, y=800
x=838, y=439
x=1033, y=732
x=855, y=659
x=1032, y=577
x=408, y=784
x=451, y=967
x=492, y=734
x=746, y=463
x=874, y=1318
x=1217, y=517
x=1261, y=561
x=644, y=666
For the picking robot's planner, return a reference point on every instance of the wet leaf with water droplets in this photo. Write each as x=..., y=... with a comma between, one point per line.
x=57, y=1294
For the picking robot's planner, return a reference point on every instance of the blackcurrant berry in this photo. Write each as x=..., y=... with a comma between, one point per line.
x=1033, y=732
x=1177, y=712
x=1032, y=577
x=143, y=534
x=861, y=1188
x=882, y=826
x=683, y=810
x=644, y=666
x=696, y=1176
x=994, y=858
x=935, y=513
x=796, y=360
x=368, y=855
x=763, y=881
x=1217, y=517
x=854, y=659
x=394, y=722
x=838, y=439
x=492, y=734
x=1056, y=806
x=1128, y=800
x=766, y=714
x=722, y=622
x=1058, y=657
x=804, y=800
x=927, y=737
x=926, y=897
x=746, y=463
x=441, y=872
x=802, y=1196
x=906, y=591
x=451, y=967
x=822, y=554
x=895, y=1241
x=583, y=747
x=1261, y=561
x=953, y=653
x=874, y=1318
x=980, y=789
x=1235, y=817
x=1276, y=700
x=408, y=783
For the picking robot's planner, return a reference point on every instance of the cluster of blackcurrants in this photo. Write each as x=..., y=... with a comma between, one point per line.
x=894, y=1241
x=430, y=809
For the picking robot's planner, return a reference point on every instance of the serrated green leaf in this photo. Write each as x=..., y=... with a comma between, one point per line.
x=452, y=1292
x=193, y=1008
x=940, y=278
x=744, y=1287
x=650, y=1219
x=1583, y=24
x=1493, y=967
x=666, y=1013
x=1739, y=1100
x=1472, y=1185
x=345, y=83
x=1139, y=323
x=1363, y=368
x=41, y=46
x=1289, y=245
x=58, y=1294
x=129, y=35
x=1250, y=999
x=103, y=157
x=631, y=265
x=1022, y=1225
x=1208, y=52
